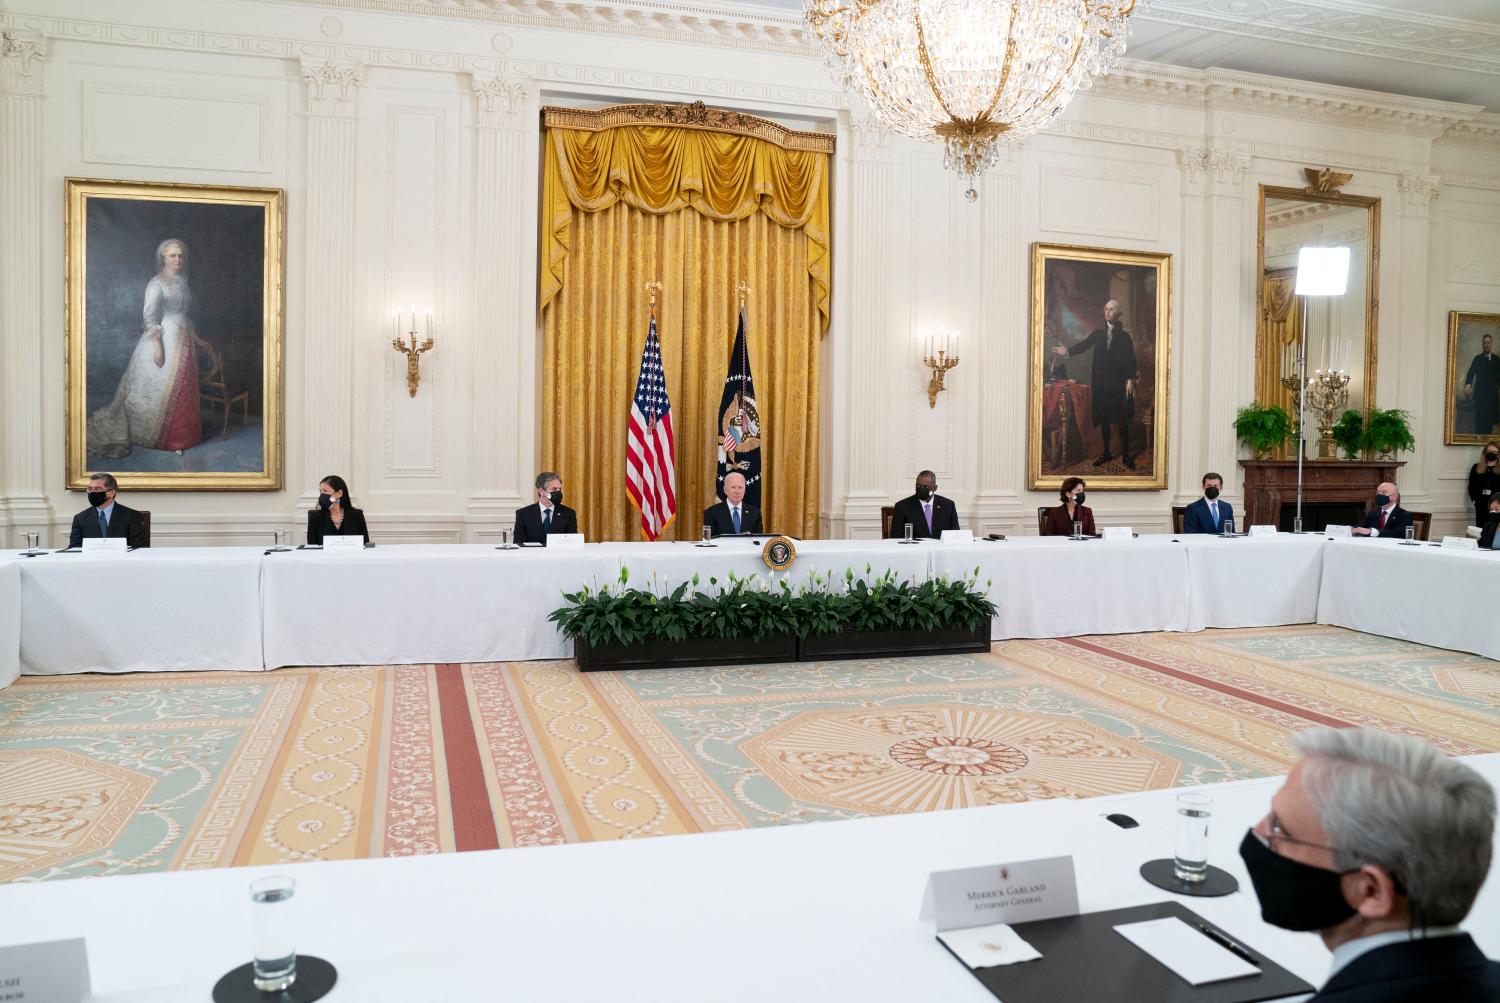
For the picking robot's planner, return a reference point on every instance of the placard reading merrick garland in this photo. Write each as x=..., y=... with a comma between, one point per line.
x=1003, y=893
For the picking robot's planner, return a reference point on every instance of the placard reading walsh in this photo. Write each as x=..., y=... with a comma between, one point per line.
x=1003, y=893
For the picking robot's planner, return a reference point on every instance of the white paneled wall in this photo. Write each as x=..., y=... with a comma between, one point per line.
x=408, y=146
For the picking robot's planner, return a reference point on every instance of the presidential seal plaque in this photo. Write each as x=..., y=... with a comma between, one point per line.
x=778, y=553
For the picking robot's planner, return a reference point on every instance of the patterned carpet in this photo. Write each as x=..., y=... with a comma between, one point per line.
x=124, y=774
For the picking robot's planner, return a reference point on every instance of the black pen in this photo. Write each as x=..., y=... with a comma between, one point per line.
x=1227, y=944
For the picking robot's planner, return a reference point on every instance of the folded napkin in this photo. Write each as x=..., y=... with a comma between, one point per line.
x=988, y=946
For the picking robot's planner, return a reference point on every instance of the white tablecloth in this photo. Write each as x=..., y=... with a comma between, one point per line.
x=1055, y=587
x=1253, y=581
x=1431, y=595
x=10, y=619
x=437, y=603
x=818, y=912
x=184, y=609
x=677, y=563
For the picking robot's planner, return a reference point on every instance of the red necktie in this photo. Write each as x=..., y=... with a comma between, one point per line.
x=1382, y=518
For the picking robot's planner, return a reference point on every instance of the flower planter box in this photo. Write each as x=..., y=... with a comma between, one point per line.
x=695, y=652
x=879, y=643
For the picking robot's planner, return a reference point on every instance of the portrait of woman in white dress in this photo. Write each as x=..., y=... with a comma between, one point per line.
x=156, y=404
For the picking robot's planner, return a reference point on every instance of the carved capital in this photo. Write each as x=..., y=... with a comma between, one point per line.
x=870, y=135
x=1419, y=190
x=1229, y=172
x=21, y=58
x=1194, y=165
x=332, y=88
x=501, y=103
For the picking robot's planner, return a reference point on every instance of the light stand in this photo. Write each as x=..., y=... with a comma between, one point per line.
x=1321, y=271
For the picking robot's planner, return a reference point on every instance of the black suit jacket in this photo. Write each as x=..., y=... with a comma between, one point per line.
x=1487, y=535
x=320, y=524
x=717, y=518
x=1395, y=523
x=909, y=510
x=1112, y=367
x=123, y=521
x=529, y=523
x=1197, y=518
x=1451, y=969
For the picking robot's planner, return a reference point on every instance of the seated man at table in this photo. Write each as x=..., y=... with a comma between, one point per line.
x=1380, y=843
x=548, y=515
x=1387, y=518
x=1488, y=534
x=1208, y=514
x=732, y=517
x=106, y=518
x=926, y=512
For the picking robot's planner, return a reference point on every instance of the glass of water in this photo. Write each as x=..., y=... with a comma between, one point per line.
x=907, y=532
x=1297, y=524
x=275, y=967
x=1411, y=534
x=1228, y=527
x=1190, y=846
x=1078, y=531
x=33, y=542
x=505, y=538
x=706, y=536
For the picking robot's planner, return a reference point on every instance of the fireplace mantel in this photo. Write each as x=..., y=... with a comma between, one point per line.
x=1272, y=484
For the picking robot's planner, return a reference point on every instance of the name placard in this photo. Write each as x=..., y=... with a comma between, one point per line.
x=1338, y=532
x=1119, y=533
x=343, y=544
x=56, y=971
x=565, y=541
x=1002, y=893
x=1460, y=543
x=1262, y=530
x=104, y=545
x=957, y=536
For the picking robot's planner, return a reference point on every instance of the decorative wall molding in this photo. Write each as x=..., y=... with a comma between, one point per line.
x=1419, y=191
x=1228, y=172
x=871, y=137
x=21, y=58
x=499, y=101
x=256, y=155
x=1194, y=164
x=332, y=87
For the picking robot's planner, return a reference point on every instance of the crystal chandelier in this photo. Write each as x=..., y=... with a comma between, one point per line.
x=972, y=73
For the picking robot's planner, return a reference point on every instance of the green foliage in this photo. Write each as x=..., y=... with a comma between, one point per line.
x=1349, y=433
x=753, y=608
x=1262, y=427
x=1386, y=431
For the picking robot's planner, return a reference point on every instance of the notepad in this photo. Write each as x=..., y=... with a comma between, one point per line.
x=1186, y=951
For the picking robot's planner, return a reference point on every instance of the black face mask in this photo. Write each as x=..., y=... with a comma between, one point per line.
x=325, y=501
x=97, y=498
x=1078, y=498
x=1492, y=457
x=1381, y=501
x=923, y=492
x=1211, y=493
x=556, y=496
x=1293, y=895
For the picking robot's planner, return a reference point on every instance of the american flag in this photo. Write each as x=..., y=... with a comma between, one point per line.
x=650, y=458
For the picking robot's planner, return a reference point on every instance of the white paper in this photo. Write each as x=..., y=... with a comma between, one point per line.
x=105, y=545
x=1335, y=532
x=1119, y=533
x=1460, y=543
x=957, y=536
x=988, y=946
x=343, y=543
x=1006, y=893
x=53, y=971
x=1190, y=953
x=1262, y=530
x=565, y=541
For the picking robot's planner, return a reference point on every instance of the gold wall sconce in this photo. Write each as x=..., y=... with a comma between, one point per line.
x=410, y=348
x=941, y=356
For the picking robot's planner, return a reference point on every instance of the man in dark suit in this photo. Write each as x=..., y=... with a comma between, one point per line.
x=105, y=518
x=1482, y=384
x=1208, y=514
x=732, y=517
x=549, y=515
x=1380, y=843
x=926, y=512
x=1387, y=518
x=1113, y=381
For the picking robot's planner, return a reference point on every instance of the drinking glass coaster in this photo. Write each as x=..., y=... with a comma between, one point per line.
x=315, y=978
x=1216, y=881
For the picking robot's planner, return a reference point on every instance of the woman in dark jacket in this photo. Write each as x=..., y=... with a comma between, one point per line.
x=1059, y=521
x=335, y=514
x=1484, y=481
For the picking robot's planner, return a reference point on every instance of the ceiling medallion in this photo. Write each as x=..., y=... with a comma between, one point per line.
x=973, y=74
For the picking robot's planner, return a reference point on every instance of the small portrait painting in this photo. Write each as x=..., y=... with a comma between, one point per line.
x=1472, y=414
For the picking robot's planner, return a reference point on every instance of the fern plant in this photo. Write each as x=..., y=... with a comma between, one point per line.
x=1388, y=431
x=1349, y=433
x=1262, y=427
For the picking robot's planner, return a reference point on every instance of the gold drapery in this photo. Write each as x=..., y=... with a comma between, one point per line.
x=1280, y=327
x=700, y=211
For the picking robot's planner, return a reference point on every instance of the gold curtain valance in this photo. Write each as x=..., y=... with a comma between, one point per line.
x=664, y=158
x=1279, y=294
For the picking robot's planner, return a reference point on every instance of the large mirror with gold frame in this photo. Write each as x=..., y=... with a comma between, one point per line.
x=1340, y=330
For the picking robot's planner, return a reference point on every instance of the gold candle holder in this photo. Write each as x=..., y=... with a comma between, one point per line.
x=410, y=348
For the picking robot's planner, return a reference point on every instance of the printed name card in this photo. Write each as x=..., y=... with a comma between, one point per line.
x=1003, y=893
x=1262, y=530
x=565, y=541
x=105, y=545
x=343, y=544
x=1338, y=532
x=54, y=971
x=957, y=536
x=1460, y=543
x=1118, y=533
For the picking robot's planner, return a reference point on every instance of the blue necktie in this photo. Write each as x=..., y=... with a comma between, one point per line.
x=1215, y=510
x=103, y=523
x=735, y=514
x=546, y=521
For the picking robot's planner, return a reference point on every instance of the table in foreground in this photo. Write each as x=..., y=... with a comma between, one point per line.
x=10, y=619
x=1431, y=595
x=826, y=911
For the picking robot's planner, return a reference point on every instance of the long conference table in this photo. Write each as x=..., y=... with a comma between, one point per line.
x=247, y=609
x=823, y=911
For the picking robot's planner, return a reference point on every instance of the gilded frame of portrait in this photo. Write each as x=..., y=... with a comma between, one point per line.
x=200, y=407
x=1066, y=279
x=1461, y=352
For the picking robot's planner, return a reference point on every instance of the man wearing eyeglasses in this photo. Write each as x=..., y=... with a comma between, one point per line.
x=1380, y=843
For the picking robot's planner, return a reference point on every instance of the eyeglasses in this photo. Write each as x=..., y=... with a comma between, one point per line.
x=1275, y=832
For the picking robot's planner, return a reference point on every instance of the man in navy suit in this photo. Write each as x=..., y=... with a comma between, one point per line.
x=1208, y=514
x=548, y=515
x=105, y=518
x=1387, y=518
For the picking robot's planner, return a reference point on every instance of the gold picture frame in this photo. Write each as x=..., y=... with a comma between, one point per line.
x=174, y=338
x=1070, y=287
x=1466, y=332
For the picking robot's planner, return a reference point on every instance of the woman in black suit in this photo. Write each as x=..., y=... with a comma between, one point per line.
x=1491, y=527
x=335, y=514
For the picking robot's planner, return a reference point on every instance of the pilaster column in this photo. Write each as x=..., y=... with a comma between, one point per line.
x=1229, y=328
x=1002, y=346
x=1405, y=366
x=1191, y=389
x=502, y=437
x=23, y=501
x=329, y=264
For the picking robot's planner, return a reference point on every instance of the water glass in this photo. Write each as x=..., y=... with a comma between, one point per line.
x=908, y=532
x=1190, y=846
x=1411, y=534
x=1078, y=531
x=33, y=542
x=275, y=967
x=1297, y=524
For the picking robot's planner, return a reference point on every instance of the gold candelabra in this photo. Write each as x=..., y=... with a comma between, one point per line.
x=410, y=348
x=941, y=356
x=1327, y=394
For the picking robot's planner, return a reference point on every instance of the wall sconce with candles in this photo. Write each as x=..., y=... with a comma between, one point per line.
x=410, y=348
x=941, y=356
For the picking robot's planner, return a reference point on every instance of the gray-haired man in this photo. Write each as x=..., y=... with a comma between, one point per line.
x=1380, y=843
x=104, y=518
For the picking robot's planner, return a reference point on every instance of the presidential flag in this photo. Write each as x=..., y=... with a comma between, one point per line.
x=650, y=457
x=739, y=431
